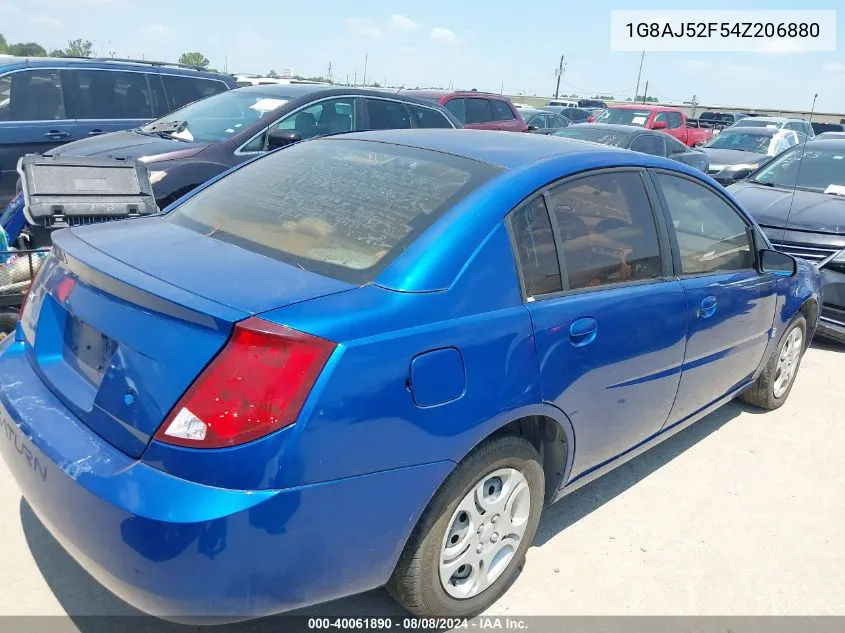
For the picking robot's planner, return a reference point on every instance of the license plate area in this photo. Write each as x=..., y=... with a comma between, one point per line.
x=87, y=350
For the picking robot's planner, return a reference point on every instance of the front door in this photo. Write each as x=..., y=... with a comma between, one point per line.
x=104, y=101
x=730, y=307
x=610, y=330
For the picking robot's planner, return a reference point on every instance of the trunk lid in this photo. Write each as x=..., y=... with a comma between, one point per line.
x=125, y=316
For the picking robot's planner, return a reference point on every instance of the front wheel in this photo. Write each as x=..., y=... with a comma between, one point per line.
x=775, y=383
x=471, y=541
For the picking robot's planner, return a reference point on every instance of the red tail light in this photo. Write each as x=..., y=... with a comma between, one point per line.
x=256, y=385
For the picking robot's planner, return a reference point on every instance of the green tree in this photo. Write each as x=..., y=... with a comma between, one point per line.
x=3, y=45
x=79, y=48
x=57, y=53
x=273, y=74
x=27, y=49
x=194, y=59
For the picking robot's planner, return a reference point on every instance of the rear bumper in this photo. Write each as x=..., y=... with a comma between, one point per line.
x=189, y=552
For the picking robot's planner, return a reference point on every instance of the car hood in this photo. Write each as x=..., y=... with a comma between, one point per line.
x=130, y=144
x=732, y=156
x=811, y=211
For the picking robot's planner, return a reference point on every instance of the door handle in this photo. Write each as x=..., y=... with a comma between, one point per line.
x=583, y=331
x=95, y=132
x=708, y=307
x=55, y=135
x=497, y=127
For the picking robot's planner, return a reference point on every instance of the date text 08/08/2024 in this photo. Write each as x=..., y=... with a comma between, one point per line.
x=724, y=29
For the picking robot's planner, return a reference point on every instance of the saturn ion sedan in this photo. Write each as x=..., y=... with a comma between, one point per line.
x=372, y=359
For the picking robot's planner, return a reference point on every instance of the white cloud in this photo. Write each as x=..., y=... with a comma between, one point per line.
x=364, y=27
x=46, y=21
x=443, y=35
x=695, y=64
x=834, y=67
x=401, y=22
x=159, y=29
x=8, y=7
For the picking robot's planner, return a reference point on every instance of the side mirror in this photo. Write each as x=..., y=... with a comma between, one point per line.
x=282, y=138
x=659, y=125
x=531, y=128
x=742, y=174
x=777, y=263
x=591, y=119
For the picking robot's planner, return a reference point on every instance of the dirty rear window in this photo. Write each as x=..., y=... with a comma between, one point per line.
x=340, y=208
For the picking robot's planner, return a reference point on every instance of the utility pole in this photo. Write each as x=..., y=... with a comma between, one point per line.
x=502, y=91
x=355, y=78
x=639, y=75
x=645, y=93
x=559, y=73
x=225, y=63
x=813, y=109
x=366, y=59
x=694, y=104
x=329, y=77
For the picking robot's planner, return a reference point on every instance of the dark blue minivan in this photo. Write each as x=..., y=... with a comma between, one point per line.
x=45, y=102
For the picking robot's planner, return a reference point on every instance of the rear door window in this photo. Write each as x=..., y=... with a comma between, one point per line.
x=32, y=95
x=458, y=108
x=428, y=117
x=387, y=115
x=107, y=94
x=338, y=207
x=501, y=111
x=183, y=90
x=479, y=111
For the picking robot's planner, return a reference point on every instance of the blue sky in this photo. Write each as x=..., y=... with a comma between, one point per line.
x=483, y=45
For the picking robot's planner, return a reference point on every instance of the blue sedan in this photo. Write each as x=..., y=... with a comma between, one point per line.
x=372, y=359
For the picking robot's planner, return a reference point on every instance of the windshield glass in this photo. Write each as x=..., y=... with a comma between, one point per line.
x=819, y=169
x=742, y=141
x=755, y=122
x=219, y=117
x=339, y=208
x=595, y=135
x=624, y=116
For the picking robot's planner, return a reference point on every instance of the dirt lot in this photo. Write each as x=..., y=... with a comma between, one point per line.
x=742, y=513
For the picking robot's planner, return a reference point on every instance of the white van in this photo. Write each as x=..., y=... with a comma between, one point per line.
x=566, y=103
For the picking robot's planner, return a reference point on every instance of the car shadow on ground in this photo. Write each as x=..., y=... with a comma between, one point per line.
x=93, y=609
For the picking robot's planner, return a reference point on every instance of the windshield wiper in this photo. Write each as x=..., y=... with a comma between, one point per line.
x=760, y=182
x=165, y=129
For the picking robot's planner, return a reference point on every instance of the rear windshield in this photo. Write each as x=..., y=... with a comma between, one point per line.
x=595, y=134
x=718, y=116
x=340, y=208
x=624, y=116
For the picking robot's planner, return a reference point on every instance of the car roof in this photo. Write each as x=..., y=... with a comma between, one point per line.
x=830, y=142
x=439, y=94
x=108, y=63
x=777, y=119
x=641, y=106
x=294, y=91
x=509, y=150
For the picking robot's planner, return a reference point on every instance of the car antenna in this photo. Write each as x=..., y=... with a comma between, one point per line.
x=399, y=89
x=798, y=171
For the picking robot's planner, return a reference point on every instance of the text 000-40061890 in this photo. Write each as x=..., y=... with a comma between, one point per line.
x=725, y=31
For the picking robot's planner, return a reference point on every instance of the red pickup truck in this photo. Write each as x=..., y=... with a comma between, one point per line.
x=671, y=120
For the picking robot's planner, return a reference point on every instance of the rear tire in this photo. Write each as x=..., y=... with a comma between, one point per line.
x=470, y=543
x=775, y=383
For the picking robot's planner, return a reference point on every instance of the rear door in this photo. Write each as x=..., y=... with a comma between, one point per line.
x=385, y=114
x=184, y=89
x=608, y=319
x=505, y=116
x=33, y=119
x=730, y=307
x=480, y=114
x=104, y=101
